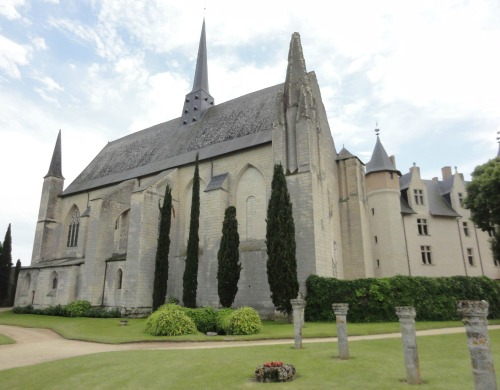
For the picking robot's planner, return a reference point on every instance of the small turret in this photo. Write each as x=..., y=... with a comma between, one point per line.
x=380, y=160
x=199, y=100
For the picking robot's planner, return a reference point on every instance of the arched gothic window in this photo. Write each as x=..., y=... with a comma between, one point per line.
x=119, y=279
x=54, y=280
x=74, y=225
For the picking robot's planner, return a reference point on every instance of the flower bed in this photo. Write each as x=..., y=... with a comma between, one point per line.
x=275, y=372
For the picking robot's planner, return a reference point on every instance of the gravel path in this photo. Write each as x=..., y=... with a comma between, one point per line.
x=41, y=345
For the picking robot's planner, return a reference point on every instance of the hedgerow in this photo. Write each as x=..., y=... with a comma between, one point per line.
x=74, y=309
x=374, y=300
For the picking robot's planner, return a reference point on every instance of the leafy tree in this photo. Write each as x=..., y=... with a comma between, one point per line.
x=162, y=250
x=190, y=278
x=229, y=267
x=483, y=200
x=5, y=266
x=280, y=242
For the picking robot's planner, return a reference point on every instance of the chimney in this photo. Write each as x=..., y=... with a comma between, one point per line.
x=446, y=172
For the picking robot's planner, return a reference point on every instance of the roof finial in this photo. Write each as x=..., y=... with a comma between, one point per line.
x=377, y=130
x=456, y=169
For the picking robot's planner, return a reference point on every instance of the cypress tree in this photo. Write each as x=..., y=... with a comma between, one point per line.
x=162, y=250
x=229, y=267
x=5, y=266
x=190, y=278
x=280, y=242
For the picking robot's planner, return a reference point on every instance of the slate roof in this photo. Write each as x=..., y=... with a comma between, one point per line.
x=438, y=206
x=380, y=161
x=234, y=125
x=404, y=181
x=216, y=182
x=344, y=154
x=405, y=207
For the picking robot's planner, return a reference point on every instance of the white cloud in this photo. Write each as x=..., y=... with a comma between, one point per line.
x=8, y=8
x=39, y=43
x=12, y=56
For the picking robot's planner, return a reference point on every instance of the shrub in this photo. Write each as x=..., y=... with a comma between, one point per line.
x=173, y=300
x=78, y=308
x=100, y=312
x=223, y=321
x=57, y=310
x=203, y=317
x=23, y=309
x=245, y=320
x=170, y=320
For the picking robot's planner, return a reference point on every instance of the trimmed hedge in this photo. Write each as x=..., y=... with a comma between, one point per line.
x=74, y=309
x=374, y=300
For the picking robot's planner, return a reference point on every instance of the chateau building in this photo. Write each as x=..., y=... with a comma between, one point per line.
x=96, y=239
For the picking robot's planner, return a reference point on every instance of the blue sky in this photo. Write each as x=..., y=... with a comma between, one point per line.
x=426, y=71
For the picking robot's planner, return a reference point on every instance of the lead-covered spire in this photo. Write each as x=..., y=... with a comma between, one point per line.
x=201, y=73
x=199, y=100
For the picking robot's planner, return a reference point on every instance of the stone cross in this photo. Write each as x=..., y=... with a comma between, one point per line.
x=474, y=315
x=298, y=306
x=340, y=311
x=406, y=315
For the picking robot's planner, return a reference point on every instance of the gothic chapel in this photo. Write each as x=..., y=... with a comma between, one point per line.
x=96, y=239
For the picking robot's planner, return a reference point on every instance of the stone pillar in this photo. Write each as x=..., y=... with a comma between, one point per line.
x=474, y=315
x=406, y=315
x=298, y=306
x=340, y=311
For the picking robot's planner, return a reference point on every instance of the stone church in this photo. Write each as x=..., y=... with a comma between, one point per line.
x=96, y=239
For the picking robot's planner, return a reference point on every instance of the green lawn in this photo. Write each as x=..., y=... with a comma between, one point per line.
x=5, y=340
x=108, y=330
x=375, y=364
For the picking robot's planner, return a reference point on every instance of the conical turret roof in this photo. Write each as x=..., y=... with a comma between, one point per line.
x=380, y=161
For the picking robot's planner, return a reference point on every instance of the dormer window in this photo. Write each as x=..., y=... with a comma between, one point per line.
x=418, y=196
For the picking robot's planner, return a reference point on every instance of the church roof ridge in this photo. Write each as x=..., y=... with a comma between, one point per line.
x=239, y=121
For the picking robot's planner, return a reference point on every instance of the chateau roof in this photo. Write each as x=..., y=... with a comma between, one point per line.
x=238, y=124
x=438, y=206
x=380, y=161
x=405, y=207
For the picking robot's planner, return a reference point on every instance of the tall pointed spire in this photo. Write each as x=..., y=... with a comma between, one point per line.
x=201, y=73
x=55, y=169
x=199, y=100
